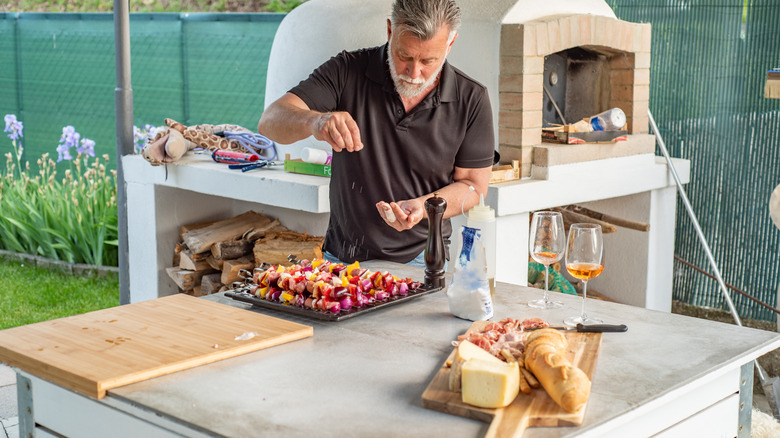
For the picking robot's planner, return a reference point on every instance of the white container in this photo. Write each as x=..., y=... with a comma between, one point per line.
x=483, y=217
x=315, y=156
x=610, y=120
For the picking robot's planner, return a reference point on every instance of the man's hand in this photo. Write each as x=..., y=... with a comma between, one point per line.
x=289, y=119
x=401, y=215
x=339, y=130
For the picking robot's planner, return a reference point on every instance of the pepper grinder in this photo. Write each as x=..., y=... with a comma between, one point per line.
x=434, y=248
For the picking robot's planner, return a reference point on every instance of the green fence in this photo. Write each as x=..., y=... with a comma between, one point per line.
x=709, y=64
x=58, y=70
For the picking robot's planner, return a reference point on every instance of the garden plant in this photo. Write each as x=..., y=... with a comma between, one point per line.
x=72, y=218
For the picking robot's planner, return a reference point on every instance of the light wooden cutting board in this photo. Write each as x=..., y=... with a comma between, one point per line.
x=105, y=349
x=536, y=409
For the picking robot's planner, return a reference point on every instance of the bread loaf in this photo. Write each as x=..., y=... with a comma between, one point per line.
x=548, y=336
x=545, y=356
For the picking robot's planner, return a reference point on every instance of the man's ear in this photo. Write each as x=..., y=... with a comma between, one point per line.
x=453, y=41
x=389, y=30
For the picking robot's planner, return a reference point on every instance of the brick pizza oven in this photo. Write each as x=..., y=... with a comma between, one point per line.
x=588, y=63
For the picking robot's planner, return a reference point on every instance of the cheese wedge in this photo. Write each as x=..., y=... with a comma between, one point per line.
x=466, y=351
x=488, y=384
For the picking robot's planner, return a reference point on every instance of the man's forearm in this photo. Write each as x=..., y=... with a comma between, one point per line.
x=456, y=192
x=289, y=119
x=286, y=121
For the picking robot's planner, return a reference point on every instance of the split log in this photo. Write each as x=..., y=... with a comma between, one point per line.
x=570, y=217
x=253, y=235
x=201, y=239
x=621, y=222
x=282, y=233
x=185, y=279
x=231, y=249
x=190, y=227
x=177, y=254
x=211, y=283
x=275, y=251
x=193, y=262
x=214, y=263
x=231, y=268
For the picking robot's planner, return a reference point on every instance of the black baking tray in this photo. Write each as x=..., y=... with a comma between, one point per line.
x=247, y=297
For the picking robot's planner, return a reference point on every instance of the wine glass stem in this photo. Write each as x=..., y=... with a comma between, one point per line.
x=584, y=295
x=546, y=282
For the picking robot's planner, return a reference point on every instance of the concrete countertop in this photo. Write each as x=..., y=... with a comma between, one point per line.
x=367, y=374
x=585, y=181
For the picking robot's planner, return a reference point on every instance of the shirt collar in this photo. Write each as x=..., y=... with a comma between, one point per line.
x=379, y=72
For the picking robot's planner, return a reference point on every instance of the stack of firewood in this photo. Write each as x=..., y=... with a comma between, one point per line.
x=212, y=255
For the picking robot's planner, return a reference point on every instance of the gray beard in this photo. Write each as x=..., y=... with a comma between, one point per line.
x=404, y=89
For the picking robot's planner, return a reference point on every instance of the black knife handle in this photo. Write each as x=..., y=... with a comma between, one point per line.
x=601, y=328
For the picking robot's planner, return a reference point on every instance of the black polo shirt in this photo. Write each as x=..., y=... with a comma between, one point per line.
x=404, y=156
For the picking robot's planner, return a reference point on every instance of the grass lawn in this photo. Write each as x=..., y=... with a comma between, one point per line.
x=29, y=294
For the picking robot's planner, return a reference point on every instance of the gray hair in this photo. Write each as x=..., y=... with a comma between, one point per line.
x=424, y=18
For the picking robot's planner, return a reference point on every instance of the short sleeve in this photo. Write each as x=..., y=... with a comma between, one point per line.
x=477, y=149
x=321, y=91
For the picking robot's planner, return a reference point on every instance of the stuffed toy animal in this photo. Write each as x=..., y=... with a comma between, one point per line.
x=174, y=140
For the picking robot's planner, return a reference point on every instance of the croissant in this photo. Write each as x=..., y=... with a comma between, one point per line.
x=545, y=356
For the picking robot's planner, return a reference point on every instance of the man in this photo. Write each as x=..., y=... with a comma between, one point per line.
x=403, y=124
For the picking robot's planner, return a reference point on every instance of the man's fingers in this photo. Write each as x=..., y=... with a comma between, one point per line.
x=345, y=135
x=337, y=141
x=405, y=219
x=341, y=131
x=398, y=212
x=355, y=135
x=388, y=212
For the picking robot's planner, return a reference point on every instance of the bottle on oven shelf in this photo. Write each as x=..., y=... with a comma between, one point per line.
x=610, y=120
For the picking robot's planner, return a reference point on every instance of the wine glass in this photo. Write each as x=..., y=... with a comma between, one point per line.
x=584, y=260
x=546, y=243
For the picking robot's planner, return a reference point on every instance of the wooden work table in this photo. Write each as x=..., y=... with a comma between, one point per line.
x=669, y=374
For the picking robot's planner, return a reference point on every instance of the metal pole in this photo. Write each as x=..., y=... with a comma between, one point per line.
x=695, y=221
x=123, y=95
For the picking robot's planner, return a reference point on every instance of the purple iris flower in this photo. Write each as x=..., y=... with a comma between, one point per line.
x=69, y=139
x=87, y=147
x=63, y=153
x=13, y=127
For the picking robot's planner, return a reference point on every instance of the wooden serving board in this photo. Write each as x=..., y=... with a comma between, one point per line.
x=534, y=410
x=97, y=351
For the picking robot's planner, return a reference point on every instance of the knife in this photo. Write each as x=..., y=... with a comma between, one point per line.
x=589, y=328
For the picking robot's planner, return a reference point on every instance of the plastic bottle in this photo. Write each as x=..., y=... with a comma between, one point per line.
x=469, y=292
x=610, y=120
x=483, y=217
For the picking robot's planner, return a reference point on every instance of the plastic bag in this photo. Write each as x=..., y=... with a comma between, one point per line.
x=469, y=291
